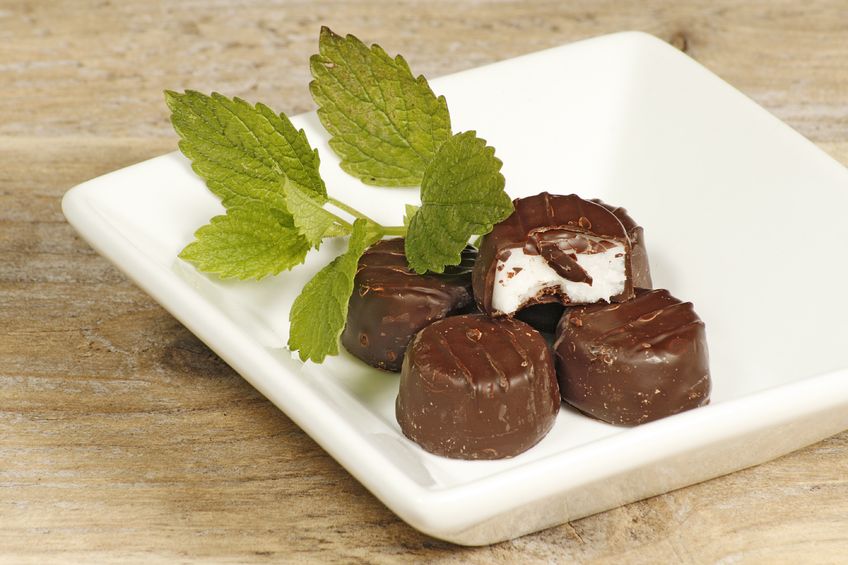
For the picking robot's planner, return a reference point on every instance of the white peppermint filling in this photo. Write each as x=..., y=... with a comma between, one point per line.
x=522, y=277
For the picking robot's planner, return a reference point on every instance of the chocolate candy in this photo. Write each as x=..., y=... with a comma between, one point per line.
x=633, y=362
x=474, y=387
x=543, y=317
x=390, y=303
x=553, y=249
x=639, y=258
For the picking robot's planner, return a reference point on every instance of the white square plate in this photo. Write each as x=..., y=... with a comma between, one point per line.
x=742, y=215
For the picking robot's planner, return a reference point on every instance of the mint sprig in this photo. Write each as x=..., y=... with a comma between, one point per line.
x=389, y=129
x=318, y=314
x=462, y=194
x=310, y=217
x=385, y=124
x=243, y=152
x=251, y=241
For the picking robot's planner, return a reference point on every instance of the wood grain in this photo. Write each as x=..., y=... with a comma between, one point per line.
x=124, y=439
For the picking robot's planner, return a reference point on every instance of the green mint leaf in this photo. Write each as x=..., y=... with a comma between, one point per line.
x=319, y=313
x=251, y=241
x=243, y=152
x=462, y=194
x=385, y=124
x=309, y=216
x=409, y=211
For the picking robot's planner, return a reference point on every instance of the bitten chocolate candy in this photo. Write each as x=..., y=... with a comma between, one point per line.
x=390, y=303
x=639, y=257
x=553, y=249
x=633, y=362
x=474, y=387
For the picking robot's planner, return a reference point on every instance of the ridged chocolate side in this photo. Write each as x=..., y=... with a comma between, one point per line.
x=474, y=387
x=536, y=214
x=639, y=258
x=391, y=303
x=633, y=362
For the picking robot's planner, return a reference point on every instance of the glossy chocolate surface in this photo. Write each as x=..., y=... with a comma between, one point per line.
x=474, y=387
x=641, y=268
x=633, y=362
x=539, y=224
x=391, y=303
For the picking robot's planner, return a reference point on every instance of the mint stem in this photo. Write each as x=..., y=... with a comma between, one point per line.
x=350, y=210
x=387, y=230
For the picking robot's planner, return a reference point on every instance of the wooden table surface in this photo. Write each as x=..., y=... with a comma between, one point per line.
x=124, y=439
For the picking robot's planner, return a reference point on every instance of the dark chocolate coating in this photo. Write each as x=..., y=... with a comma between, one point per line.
x=474, y=387
x=540, y=219
x=633, y=362
x=639, y=258
x=391, y=303
x=543, y=317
